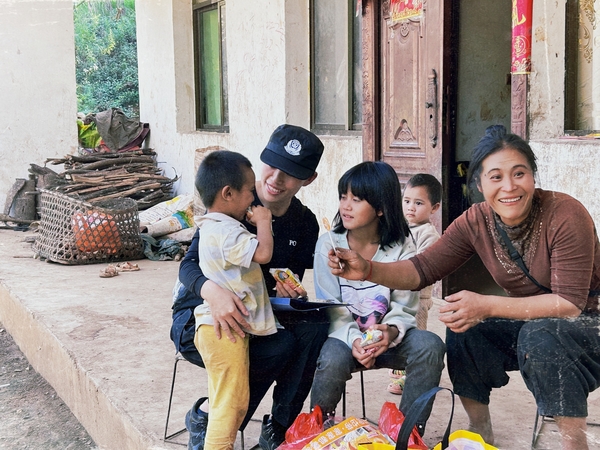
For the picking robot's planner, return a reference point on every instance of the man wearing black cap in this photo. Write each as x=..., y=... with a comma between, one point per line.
x=288, y=357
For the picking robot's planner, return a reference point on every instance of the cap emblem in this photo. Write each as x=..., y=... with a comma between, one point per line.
x=293, y=147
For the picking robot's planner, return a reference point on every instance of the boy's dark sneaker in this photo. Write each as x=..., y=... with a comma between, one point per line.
x=196, y=422
x=272, y=434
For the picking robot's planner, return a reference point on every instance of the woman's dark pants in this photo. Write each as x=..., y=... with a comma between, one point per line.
x=559, y=360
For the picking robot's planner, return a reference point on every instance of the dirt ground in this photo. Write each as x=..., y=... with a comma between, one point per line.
x=32, y=416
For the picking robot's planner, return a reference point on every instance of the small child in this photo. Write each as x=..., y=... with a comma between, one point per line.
x=421, y=199
x=230, y=256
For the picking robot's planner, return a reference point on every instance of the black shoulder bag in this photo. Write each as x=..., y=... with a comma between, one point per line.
x=516, y=257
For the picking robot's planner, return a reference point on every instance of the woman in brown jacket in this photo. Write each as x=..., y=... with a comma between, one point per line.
x=548, y=325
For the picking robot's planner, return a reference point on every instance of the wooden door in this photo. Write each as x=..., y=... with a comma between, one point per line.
x=407, y=120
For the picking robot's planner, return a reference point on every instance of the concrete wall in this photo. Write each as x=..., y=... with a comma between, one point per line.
x=546, y=97
x=483, y=64
x=268, y=74
x=572, y=168
x=37, y=86
x=563, y=165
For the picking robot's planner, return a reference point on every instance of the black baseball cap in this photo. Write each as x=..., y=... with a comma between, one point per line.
x=293, y=150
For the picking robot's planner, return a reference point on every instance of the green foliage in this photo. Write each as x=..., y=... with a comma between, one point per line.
x=106, y=56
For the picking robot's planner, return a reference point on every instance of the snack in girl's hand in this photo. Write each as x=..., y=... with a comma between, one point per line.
x=327, y=226
x=371, y=336
x=287, y=276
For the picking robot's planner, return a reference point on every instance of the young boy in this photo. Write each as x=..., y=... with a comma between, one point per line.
x=230, y=256
x=421, y=199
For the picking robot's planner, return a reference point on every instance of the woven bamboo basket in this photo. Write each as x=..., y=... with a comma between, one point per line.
x=72, y=231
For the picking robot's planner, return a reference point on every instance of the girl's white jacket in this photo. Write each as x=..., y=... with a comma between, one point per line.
x=372, y=302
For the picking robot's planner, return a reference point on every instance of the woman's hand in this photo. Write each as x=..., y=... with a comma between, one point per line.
x=226, y=309
x=464, y=310
x=354, y=267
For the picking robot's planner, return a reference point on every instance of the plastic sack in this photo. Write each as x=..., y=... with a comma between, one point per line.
x=466, y=440
x=168, y=217
x=390, y=422
x=303, y=430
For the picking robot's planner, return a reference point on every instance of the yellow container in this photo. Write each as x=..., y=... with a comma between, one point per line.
x=463, y=439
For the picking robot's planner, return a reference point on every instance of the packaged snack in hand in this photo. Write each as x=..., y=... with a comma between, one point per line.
x=371, y=336
x=286, y=276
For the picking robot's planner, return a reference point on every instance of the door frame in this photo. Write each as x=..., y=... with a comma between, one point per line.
x=371, y=101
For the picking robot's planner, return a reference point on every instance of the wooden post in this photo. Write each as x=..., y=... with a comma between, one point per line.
x=520, y=65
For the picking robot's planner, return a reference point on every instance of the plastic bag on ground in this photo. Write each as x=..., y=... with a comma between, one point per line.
x=303, y=430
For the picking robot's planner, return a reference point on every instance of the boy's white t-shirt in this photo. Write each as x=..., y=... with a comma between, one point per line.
x=424, y=235
x=225, y=252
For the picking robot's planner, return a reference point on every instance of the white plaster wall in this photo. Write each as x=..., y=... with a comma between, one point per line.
x=572, y=168
x=563, y=165
x=268, y=83
x=483, y=63
x=37, y=86
x=546, y=94
x=339, y=155
x=297, y=56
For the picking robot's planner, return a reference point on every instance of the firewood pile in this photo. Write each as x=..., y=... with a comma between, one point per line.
x=103, y=176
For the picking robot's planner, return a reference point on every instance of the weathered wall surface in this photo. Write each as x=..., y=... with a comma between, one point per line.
x=268, y=71
x=483, y=96
x=37, y=86
x=546, y=95
x=339, y=155
x=572, y=168
x=563, y=165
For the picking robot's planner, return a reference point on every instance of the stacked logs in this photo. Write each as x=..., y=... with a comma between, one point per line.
x=103, y=176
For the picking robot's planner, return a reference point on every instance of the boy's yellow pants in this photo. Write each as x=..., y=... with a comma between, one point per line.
x=227, y=364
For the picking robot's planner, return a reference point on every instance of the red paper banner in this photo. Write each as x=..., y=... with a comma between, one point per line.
x=521, y=36
x=405, y=9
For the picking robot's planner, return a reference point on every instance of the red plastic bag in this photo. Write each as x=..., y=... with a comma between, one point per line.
x=390, y=421
x=303, y=430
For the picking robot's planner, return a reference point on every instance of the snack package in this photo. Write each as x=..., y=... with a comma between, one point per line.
x=286, y=276
x=370, y=337
x=348, y=435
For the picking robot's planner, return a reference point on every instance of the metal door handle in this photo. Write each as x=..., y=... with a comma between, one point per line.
x=432, y=105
